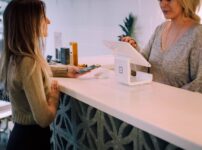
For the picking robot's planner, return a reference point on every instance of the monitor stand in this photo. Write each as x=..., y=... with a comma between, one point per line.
x=123, y=72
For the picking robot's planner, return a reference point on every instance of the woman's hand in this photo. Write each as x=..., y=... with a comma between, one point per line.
x=54, y=93
x=130, y=41
x=72, y=71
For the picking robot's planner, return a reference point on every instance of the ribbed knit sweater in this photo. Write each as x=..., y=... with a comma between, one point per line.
x=29, y=93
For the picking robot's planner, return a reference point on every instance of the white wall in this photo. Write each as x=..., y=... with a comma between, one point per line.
x=89, y=22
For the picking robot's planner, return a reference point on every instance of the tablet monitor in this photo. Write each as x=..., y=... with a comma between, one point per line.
x=124, y=49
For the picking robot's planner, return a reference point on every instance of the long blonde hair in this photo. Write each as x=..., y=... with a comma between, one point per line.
x=190, y=8
x=22, y=35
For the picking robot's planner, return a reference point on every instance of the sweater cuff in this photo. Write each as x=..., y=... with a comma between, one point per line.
x=59, y=71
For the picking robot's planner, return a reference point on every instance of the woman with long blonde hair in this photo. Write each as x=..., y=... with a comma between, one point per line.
x=26, y=75
x=175, y=48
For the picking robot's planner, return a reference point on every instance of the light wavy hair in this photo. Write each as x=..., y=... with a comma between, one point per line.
x=190, y=8
x=22, y=37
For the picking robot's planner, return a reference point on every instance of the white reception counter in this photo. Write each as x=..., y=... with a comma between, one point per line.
x=172, y=114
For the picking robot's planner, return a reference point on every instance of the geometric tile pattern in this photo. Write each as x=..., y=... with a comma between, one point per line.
x=4, y=131
x=4, y=134
x=79, y=126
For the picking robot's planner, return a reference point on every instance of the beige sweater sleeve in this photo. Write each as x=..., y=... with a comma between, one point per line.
x=59, y=71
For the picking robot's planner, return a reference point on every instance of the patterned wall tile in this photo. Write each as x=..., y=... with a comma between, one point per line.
x=79, y=126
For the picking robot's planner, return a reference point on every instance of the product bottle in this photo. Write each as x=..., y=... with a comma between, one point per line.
x=57, y=54
x=74, y=48
x=65, y=56
x=71, y=58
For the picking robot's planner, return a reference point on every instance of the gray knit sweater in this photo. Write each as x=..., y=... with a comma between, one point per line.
x=181, y=64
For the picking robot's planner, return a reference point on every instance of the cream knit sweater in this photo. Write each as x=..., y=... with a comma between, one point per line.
x=28, y=94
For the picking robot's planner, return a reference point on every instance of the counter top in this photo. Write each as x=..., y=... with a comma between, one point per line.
x=170, y=113
x=5, y=109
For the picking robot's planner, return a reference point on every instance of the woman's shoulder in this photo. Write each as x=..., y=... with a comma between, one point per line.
x=27, y=59
x=194, y=35
x=198, y=27
x=197, y=31
x=28, y=64
x=161, y=26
